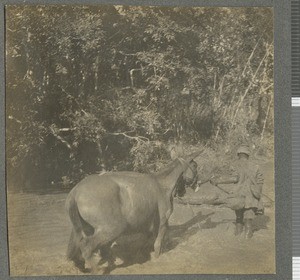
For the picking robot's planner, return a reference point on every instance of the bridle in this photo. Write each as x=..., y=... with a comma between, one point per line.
x=184, y=162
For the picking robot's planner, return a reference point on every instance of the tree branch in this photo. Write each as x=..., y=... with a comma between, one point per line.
x=247, y=90
x=64, y=129
x=54, y=133
x=266, y=118
x=13, y=118
x=137, y=138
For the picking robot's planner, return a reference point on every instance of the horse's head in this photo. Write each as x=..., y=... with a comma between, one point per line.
x=189, y=175
x=172, y=175
x=188, y=178
x=189, y=165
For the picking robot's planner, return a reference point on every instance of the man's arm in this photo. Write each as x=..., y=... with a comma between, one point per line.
x=257, y=184
x=224, y=180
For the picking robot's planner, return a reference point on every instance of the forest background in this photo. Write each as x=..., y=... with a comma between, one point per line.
x=92, y=88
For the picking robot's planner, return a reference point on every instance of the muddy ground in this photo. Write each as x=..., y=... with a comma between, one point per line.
x=200, y=239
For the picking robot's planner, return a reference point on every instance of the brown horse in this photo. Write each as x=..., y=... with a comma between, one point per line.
x=104, y=207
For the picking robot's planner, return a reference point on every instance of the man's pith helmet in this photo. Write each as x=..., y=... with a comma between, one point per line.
x=244, y=150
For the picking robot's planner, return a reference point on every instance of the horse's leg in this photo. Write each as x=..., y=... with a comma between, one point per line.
x=74, y=252
x=102, y=240
x=107, y=256
x=88, y=249
x=164, y=213
x=152, y=233
x=163, y=225
x=105, y=253
x=158, y=242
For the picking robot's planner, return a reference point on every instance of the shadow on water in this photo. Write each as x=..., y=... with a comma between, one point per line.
x=133, y=249
x=180, y=233
x=210, y=224
x=261, y=222
x=136, y=249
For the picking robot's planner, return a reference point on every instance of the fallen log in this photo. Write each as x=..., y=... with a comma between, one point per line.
x=196, y=201
x=212, y=201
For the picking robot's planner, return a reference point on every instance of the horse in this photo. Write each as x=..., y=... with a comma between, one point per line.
x=104, y=207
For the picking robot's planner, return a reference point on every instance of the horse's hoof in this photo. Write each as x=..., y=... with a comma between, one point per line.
x=80, y=265
x=119, y=261
x=102, y=261
x=103, y=270
x=84, y=269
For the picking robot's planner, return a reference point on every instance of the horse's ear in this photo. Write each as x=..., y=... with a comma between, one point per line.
x=194, y=155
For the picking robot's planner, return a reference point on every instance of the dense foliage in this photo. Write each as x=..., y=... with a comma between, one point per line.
x=93, y=87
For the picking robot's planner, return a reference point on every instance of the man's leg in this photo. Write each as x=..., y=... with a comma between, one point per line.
x=249, y=215
x=239, y=221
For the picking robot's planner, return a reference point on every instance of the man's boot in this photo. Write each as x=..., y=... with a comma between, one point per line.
x=248, y=228
x=238, y=229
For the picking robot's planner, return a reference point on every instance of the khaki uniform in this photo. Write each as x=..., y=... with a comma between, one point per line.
x=248, y=188
x=246, y=198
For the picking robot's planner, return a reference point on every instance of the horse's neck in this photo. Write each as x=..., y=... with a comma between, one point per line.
x=168, y=178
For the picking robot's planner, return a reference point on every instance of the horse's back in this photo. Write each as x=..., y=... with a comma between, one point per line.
x=139, y=195
x=116, y=197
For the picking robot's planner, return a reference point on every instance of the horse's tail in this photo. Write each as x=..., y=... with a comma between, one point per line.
x=72, y=209
x=76, y=235
x=73, y=249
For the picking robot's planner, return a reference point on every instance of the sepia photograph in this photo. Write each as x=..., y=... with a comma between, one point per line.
x=139, y=140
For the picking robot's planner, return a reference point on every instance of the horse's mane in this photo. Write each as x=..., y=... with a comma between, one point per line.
x=165, y=171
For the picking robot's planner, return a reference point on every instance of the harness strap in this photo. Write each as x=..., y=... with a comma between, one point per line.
x=189, y=166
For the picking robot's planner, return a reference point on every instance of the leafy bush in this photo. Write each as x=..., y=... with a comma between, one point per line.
x=106, y=87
